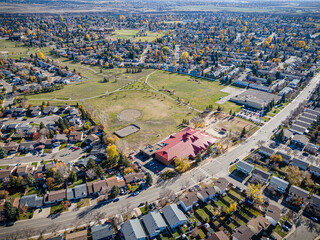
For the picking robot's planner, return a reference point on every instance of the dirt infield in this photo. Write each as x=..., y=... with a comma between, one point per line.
x=129, y=115
x=126, y=131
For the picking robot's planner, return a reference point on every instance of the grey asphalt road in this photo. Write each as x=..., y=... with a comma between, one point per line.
x=8, y=99
x=214, y=168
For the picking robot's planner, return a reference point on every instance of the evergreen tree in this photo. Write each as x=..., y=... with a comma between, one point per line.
x=10, y=211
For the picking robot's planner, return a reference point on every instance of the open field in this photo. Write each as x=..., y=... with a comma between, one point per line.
x=16, y=50
x=131, y=34
x=94, y=86
x=199, y=94
x=213, y=8
x=159, y=115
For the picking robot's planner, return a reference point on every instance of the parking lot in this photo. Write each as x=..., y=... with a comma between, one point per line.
x=249, y=115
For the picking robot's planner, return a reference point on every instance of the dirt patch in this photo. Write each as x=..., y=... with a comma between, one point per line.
x=129, y=115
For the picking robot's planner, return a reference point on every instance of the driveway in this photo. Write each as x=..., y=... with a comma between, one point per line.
x=41, y=214
x=305, y=229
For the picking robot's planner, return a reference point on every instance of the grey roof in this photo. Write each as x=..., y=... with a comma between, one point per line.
x=60, y=237
x=300, y=138
x=298, y=191
x=267, y=150
x=153, y=221
x=302, y=124
x=59, y=137
x=173, y=214
x=285, y=157
x=315, y=199
x=31, y=200
x=297, y=129
x=314, y=112
x=79, y=191
x=315, y=169
x=102, y=231
x=244, y=165
x=279, y=182
x=262, y=174
x=132, y=230
x=300, y=163
x=305, y=119
x=308, y=115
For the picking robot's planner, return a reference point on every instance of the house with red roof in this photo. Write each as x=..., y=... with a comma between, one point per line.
x=185, y=144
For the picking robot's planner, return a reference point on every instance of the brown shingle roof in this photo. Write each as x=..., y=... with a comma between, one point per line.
x=133, y=177
x=274, y=212
x=189, y=199
x=258, y=224
x=115, y=181
x=80, y=235
x=218, y=236
x=94, y=187
x=55, y=195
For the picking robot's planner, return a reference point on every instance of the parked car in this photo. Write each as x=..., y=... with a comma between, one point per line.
x=314, y=219
x=116, y=200
x=183, y=187
x=238, y=188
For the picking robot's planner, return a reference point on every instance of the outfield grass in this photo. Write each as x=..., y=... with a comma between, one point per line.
x=199, y=95
x=160, y=115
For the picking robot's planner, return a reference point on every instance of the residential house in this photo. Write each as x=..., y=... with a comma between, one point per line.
x=27, y=147
x=75, y=136
x=314, y=170
x=311, y=148
x=78, y=235
x=300, y=163
x=32, y=201
x=55, y=196
x=174, y=216
x=206, y=193
x=300, y=140
x=286, y=158
x=96, y=187
x=98, y=150
x=60, y=138
x=102, y=232
x=35, y=111
x=134, y=177
x=84, y=161
x=50, y=109
x=242, y=233
x=266, y=151
x=260, y=176
x=314, y=206
x=77, y=192
x=5, y=173
x=59, y=237
x=273, y=214
x=22, y=170
x=154, y=224
x=220, y=185
x=133, y=230
x=245, y=167
x=287, y=134
x=297, y=129
x=279, y=184
x=11, y=147
x=188, y=201
x=92, y=139
x=258, y=224
x=220, y=235
x=297, y=196
x=115, y=181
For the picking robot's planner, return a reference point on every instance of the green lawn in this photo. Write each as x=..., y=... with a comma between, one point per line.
x=135, y=187
x=83, y=203
x=15, y=195
x=205, y=217
x=57, y=209
x=143, y=210
x=159, y=116
x=35, y=164
x=131, y=34
x=28, y=215
x=199, y=95
x=31, y=190
x=78, y=182
x=16, y=50
x=62, y=146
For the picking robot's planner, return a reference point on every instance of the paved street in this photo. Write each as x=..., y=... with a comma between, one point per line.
x=8, y=98
x=214, y=168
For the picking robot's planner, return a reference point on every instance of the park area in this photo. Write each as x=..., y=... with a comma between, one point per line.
x=134, y=35
x=158, y=116
x=197, y=92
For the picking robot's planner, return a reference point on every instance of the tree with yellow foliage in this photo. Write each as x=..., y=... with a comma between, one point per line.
x=122, y=17
x=41, y=55
x=255, y=193
x=87, y=37
x=232, y=208
x=183, y=166
x=127, y=170
x=185, y=56
x=301, y=44
x=112, y=151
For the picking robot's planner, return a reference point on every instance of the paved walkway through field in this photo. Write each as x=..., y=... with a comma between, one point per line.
x=232, y=92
